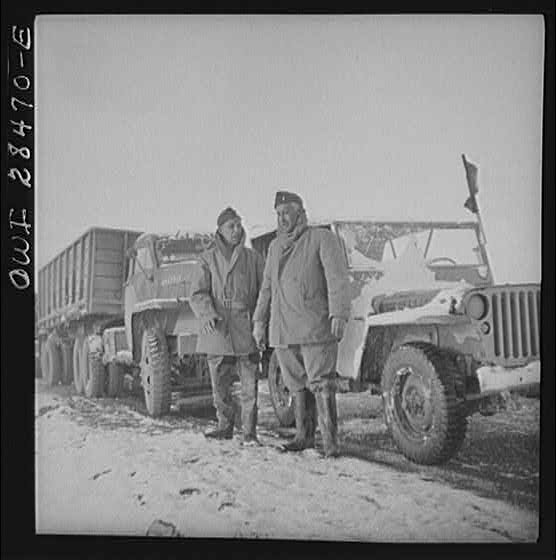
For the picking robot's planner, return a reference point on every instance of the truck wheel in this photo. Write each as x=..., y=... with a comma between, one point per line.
x=67, y=364
x=51, y=362
x=420, y=405
x=115, y=379
x=281, y=398
x=92, y=367
x=155, y=372
x=77, y=382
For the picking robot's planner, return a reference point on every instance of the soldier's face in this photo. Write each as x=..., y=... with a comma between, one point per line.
x=231, y=231
x=286, y=217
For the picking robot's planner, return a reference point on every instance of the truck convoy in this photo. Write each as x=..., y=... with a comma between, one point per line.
x=429, y=329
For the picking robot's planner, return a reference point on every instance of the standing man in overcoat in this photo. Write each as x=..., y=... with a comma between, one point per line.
x=304, y=301
x=223, y=297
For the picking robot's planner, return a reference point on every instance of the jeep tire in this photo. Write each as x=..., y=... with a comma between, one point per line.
x=155, y=371
x=281, y=398
x=421, y=408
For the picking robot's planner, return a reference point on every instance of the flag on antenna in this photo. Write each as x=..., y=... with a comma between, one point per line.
x=471, y=173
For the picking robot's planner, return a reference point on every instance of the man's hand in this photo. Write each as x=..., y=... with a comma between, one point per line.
x=259, y=334
x=209, y=326
x=338, y=326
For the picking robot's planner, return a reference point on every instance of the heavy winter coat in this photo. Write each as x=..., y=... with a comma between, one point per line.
x=304, y=285
x=227, y=289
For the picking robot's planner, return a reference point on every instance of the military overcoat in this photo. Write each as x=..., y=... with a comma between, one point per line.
x=303, y=288
x=227, y=289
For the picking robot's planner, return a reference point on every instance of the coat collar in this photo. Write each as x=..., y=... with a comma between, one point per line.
x=232, y=256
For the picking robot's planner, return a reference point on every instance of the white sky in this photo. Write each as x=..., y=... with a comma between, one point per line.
x=158, y=122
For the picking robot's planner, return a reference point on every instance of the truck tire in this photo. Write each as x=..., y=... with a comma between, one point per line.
x=52, y=362
x=67, y=364
x=155, y=372
x=115, y=379
x=281, y=398
x=77, y=382
x=94, y=375
x=421, y=409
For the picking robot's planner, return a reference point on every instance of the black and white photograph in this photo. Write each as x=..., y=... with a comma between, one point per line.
x=287, y=275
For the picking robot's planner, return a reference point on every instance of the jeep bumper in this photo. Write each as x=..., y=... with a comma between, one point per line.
x=493, y=379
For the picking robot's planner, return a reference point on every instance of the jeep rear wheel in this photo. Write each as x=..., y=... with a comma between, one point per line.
x=421, y=409
x=155, y=372
x=281, y=398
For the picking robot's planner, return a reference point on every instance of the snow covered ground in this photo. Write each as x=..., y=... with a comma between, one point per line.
x=102, y=467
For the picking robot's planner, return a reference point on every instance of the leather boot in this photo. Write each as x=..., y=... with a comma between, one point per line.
x=305, y=424
x=328, y=420
x=221, y=433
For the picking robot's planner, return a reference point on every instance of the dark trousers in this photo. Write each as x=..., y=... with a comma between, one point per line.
x=223, y=372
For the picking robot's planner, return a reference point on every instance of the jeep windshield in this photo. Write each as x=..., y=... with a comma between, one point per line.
x=452, y=250
x=172, y=249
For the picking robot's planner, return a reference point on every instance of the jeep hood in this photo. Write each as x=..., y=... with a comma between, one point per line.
x=412, y=281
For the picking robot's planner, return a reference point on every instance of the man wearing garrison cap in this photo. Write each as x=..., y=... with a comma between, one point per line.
x=304, y=301
x=223, y=297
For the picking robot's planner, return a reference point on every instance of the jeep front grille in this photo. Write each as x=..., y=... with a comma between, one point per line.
x=515, y=316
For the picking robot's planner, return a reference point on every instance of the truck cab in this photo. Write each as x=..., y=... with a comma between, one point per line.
x=160, y=327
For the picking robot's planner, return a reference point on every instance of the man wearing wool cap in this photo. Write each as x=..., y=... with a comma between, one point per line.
x=223, y=297
x=304, y=301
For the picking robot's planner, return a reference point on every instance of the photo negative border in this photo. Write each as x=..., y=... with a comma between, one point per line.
x=18, y=536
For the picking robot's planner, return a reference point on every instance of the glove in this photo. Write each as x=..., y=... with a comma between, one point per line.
x=259, y=334
x=338, y=326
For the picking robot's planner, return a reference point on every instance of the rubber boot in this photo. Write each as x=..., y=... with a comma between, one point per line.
x=305, y=422
x=221, y=433
x=328, y=420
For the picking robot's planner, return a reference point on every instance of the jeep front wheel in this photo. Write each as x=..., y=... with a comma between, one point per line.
x=421, y=409
x=281, y=398
x=155, y=372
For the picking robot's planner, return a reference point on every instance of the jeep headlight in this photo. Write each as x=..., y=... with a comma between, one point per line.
x=477, y=306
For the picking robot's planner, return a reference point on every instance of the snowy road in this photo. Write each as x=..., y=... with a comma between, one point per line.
x=103, y=467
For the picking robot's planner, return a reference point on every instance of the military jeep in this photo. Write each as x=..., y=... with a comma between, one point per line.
x=157, y=343
x=429, y=329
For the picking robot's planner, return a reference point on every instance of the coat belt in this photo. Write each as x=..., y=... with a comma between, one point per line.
x=231, y=304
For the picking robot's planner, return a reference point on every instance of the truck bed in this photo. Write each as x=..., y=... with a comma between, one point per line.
x=86, y=278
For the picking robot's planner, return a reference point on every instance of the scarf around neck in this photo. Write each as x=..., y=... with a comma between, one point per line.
x=287, y=239
x=225, y=249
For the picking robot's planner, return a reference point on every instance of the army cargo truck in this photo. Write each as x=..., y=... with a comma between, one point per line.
x=160, y=329
x=80, y=293
x=114, y=306
x=429, y=329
